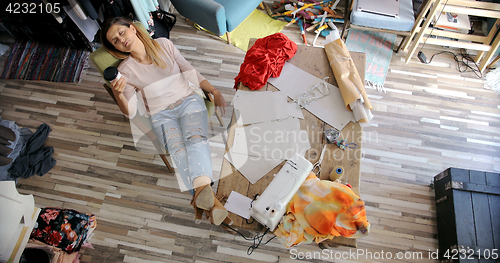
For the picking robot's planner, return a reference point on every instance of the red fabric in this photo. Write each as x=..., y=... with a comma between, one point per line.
x=265, y=59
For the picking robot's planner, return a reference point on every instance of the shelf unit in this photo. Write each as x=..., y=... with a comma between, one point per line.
x=486, y=45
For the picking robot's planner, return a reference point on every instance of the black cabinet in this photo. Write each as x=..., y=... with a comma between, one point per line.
x=468, y=215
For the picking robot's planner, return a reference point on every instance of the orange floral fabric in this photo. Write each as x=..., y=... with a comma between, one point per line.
x=322, y=210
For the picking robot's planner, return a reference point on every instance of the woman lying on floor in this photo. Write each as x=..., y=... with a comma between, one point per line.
x=156, y=71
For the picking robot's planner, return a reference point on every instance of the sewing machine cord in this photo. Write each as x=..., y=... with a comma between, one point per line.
x=256, y=238
x=464, y=61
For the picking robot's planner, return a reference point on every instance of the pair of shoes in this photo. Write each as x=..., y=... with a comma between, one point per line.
x=205, y=201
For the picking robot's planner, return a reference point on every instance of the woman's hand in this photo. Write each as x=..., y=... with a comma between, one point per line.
x=219, y=101
x=118, y=85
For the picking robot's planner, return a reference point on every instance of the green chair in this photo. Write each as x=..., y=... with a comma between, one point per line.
x=102, y=59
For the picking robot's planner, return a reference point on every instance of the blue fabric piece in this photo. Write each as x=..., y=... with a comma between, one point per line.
x=237, y=11
x=22, y=136
x=403, y=23
x=34, y=158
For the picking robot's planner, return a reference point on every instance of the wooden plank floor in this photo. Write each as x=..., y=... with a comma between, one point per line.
x=431, y=117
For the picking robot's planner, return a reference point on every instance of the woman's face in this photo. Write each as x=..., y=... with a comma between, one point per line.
x=122, y=37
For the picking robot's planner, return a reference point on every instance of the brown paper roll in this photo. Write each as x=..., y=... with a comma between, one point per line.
x=345, y=72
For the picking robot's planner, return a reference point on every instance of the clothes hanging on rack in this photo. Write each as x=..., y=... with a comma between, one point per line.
x=75, y=6
x=143, y=8
x=88, y=8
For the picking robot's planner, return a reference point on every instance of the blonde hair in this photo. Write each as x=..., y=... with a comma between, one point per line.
x=153, y=50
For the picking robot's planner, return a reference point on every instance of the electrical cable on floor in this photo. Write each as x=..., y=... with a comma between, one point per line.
x=463, y=64
x=254, y=239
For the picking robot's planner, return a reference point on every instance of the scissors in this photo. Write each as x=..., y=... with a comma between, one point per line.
x=318, y=163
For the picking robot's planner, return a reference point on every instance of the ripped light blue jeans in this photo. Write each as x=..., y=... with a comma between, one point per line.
x=184, y=131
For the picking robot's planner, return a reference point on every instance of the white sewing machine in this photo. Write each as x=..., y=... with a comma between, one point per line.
x=270, y=207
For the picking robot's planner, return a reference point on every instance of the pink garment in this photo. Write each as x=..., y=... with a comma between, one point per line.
x=150, y=88
x=56, y=255
x=265, y=59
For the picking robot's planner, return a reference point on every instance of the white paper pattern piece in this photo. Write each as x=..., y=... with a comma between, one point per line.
x=259, y=148
x=251, y=167
x=294, y=110
x=330, y=109
x=239, y=204
x=278, y=144
x=256, y=107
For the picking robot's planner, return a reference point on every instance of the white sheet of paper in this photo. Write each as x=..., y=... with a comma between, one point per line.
x=239, y=204
x=330, y=109
x=259, y=148
x=289, y=123
x=294, y=110
x=241, y=94
x=251, y=167
x=252, y=140
x=278, y=144
x=256, y=107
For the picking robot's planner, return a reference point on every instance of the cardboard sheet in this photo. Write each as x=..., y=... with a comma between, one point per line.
x=258, y=148
x=256, y=107
x=252, y=168
x=278, y=144
x=330, y=109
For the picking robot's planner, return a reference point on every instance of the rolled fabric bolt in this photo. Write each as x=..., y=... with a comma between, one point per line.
x=111, y=73
x=301, y=26
x=329, y=19
x=291, y=21
x=312, y=27
x=337, y=173
x=304, y=14
x=321, y=28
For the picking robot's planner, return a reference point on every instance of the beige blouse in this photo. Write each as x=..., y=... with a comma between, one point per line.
x=151, y=89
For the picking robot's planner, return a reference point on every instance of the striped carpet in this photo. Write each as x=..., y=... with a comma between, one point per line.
x=31, y=60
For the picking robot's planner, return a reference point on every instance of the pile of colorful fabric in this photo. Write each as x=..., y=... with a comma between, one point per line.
x=65, y=231
x=322, y=210
x=265, y=59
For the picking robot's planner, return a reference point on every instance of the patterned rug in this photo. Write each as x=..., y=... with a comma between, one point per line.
x=378, y=49
x=30, y=60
